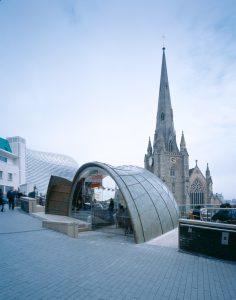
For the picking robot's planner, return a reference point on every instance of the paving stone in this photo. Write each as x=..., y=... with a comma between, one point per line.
x=43, y=264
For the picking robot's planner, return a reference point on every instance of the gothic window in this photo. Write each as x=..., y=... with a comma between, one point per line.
x=172, y=171
x=196, y=193
x=170, y=146
x=162, y=116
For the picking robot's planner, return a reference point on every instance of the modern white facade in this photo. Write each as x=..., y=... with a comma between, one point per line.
x=9, y=170
x=25, y=169
x=41, y=165
x=18, y=147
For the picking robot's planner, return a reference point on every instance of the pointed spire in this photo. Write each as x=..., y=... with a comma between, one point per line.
x=164, y=120
x=183, y=148
x=149, y=148
x=182, y=143
x=208, y=174
x=164, y=83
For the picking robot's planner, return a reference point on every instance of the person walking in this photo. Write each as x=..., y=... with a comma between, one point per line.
x=1, y=200
x=111, y=209
x=11, y=199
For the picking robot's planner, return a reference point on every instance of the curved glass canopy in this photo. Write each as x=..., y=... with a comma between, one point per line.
x=138, y=201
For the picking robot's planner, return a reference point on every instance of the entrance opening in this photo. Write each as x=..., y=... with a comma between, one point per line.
x=97, y=202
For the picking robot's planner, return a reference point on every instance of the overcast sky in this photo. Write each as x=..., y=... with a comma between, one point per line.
x=81, y=78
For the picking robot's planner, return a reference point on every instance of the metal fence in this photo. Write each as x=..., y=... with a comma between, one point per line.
x=208, y=213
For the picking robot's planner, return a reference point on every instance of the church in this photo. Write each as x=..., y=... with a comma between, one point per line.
x=170, y=162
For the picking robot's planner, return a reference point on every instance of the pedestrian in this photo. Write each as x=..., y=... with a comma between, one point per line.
x=1, y=200
x=11, y=199
x=110, y=209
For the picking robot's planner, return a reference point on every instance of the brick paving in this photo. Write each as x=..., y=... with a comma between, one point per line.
x=38, y=263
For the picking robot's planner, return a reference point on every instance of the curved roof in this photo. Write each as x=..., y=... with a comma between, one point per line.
x=151, y=205
x=41, y=165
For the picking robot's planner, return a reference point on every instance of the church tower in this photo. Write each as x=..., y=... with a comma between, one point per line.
x=165, y=159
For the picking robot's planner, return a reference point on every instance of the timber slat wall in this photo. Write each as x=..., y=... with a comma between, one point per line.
x=57, y=202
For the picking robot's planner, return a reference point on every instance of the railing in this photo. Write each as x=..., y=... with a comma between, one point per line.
x=208, y=213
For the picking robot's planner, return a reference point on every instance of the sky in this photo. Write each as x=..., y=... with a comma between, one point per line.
x=81, y=78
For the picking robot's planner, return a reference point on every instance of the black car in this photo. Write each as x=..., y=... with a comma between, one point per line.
x=225, y=216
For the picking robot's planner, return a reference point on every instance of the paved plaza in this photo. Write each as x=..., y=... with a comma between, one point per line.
x=38, y=263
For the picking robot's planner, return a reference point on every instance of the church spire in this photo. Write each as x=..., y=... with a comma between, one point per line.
x=208, y=174
x=149, y=148
x=164, y=121
x=183, y=148
x=182, y=143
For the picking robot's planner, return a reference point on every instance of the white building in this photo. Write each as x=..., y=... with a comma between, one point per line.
x=23, y=168
x=9, y=167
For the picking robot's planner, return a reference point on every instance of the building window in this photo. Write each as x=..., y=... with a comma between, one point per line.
x=1, y=174
x=10, y=177
x=173, y=187
x=2, y=158
x=172, y=171
x=196, y=193
x=162, y=116
x=170, y=146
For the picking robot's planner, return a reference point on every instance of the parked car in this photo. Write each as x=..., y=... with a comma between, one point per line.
x=225, y=216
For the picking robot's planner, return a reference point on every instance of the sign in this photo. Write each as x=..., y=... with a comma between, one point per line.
x=96, y=181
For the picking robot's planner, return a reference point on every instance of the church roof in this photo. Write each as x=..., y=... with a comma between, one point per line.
x=196, y=170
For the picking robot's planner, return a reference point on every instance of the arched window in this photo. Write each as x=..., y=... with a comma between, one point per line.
x=170, y=146
x=162, y=116
x=196, y=193
x=172, y=171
